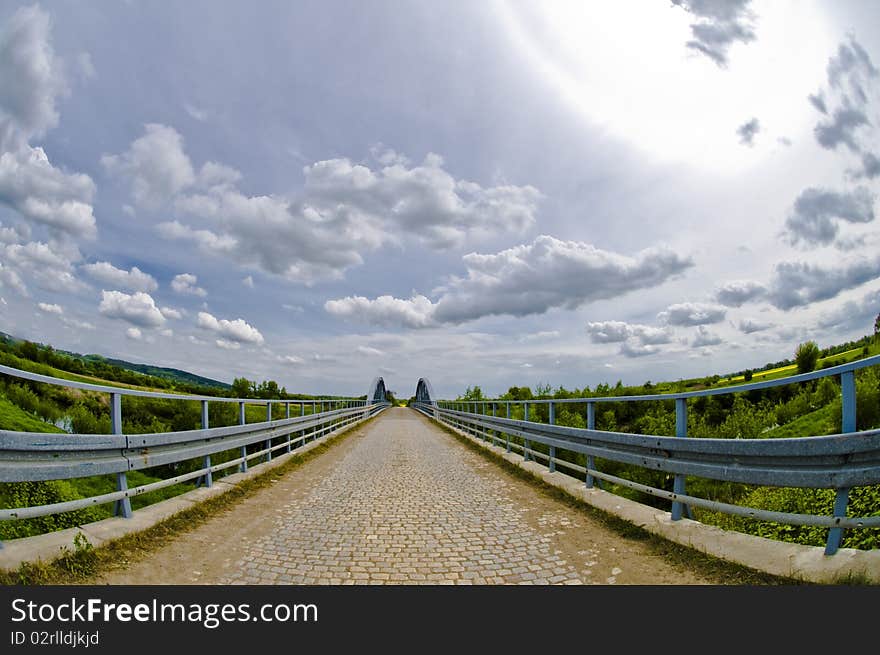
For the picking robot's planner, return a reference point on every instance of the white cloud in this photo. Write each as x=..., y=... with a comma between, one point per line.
x=171, y=312
x=77, y=324
x=196, y=113
x=32, y=81
x=133, y=280
x=619, y=332
x=156, y=165
x=204, y=239
x=750, y=325
x=384, y=310
x=796, y=284
x=139, y=308
x=50, y=309
x=237, y=331
x=692, y=313
x=718, y=26
x=227, y=345
x=817, y=213
x=528, y=279
x=134, y=334
x=10, y=279
x=291, y=359
x=343, y=210
x=50, y=265
x=705, y=337
x=185, y=284
x=367, y=350
x=248, y=282
x=737, y=292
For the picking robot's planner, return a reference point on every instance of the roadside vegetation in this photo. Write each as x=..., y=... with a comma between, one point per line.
x=27, y=406
x=788, y=411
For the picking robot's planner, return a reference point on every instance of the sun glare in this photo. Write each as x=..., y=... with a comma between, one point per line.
x=626, y=67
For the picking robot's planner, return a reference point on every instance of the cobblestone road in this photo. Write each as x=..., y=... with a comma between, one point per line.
x=405, y=503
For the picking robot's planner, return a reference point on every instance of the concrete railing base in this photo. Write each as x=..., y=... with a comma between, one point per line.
x=50, y=546
x=795, y=561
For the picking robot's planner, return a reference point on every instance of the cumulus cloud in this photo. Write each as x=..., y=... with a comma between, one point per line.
x=796, y=284
x=751, y=325
x=816, y=215
x=49, y=265
x=227, y=344
x=853, y=314
x=846, y=104
x=719, y=24
x=134, y=334
x=692, y=313
x=738, y=292
x=10, y=279
x=343, y=210
x=748, y=131
x=424, y=200
x=527, y=279
x=705, y=337
x=231, y=332
x=248, y=282
x=171, y=312
x=291, y=359
x=635, y=340
x=634, y=348
x=138, y=309
x=385, y=311
x=619, y=331
x=185, y=284
x=33, y=80
x=156, y=165
x=50, y=309
x=133, y=280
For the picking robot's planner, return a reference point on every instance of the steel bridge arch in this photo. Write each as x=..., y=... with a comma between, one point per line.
x=377, y=391
x=425, y=392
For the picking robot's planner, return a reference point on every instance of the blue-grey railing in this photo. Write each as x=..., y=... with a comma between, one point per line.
x=837, y=462
x=33, y=456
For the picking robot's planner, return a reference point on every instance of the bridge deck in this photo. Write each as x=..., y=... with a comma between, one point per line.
x=399, y=502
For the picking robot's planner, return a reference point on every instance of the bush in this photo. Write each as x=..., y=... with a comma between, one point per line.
x=806, y=356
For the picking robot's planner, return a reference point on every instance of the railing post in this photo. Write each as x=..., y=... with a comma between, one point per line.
x=494, y=432
x=287, y=415
x=551, y=418
x=591, y=425
x=525, y=441
x=269, y=440
x=208, y=477
x=847, y=424
x=121, y=507
x=680, y=431
x=242, y=420
x=507, y=433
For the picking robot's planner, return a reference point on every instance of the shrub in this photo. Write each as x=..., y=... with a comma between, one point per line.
x=806, y=356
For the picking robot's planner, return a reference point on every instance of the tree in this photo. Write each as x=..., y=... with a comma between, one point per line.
x=241, y=388
x=877, y=327
x=806, y=356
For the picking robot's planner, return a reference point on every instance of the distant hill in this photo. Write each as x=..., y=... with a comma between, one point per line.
x=173, y=374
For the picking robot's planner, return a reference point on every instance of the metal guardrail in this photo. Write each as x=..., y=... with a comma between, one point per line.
x=32, y=456
x=838, y=462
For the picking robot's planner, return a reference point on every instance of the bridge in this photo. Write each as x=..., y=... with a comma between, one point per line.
x=401, y=500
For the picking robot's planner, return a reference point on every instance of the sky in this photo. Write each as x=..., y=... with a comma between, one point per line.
x=492, y=193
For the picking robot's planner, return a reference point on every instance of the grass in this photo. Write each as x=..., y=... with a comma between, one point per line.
x=822, y=421
x=717, y=570
x=16, y=419
x=785, y=371
x=85, y=562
